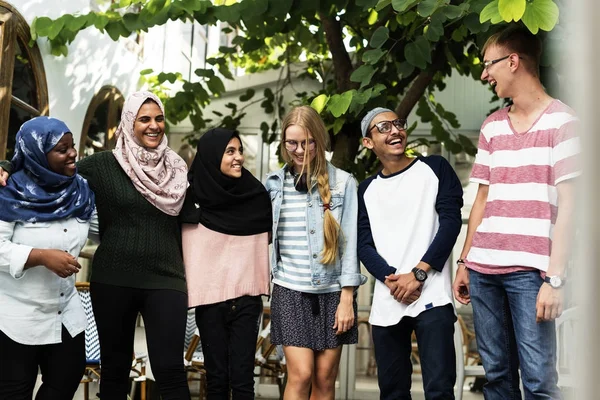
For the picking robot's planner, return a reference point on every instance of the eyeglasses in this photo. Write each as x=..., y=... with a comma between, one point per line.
x=487, y=64
x=292, y=145
x=385, y=127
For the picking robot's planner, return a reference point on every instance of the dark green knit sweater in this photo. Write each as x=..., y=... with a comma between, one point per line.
x=140, y=245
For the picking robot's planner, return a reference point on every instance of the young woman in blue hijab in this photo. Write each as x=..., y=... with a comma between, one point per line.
x=45, y=213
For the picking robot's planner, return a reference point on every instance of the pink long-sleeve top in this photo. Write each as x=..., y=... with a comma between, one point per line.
x=220, y=267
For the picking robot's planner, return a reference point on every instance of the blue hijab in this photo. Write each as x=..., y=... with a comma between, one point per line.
x=35, y=193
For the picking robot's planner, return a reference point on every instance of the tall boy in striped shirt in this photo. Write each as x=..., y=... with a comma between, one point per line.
x=513, y=261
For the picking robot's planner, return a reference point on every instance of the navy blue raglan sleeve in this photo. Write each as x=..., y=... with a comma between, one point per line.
x=448, y=203
x=367, y=252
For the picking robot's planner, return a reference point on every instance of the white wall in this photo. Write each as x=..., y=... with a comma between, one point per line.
x=94, y=61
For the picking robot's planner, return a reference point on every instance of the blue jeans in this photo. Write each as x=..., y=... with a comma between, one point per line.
x=508, y=336
x=434, y=330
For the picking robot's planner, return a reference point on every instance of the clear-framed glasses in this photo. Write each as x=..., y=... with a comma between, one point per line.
x=385, y=127
x=292, y=145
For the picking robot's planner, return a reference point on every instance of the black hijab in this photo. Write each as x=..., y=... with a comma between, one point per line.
x=233, y=206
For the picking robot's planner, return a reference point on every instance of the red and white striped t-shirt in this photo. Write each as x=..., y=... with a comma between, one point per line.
x=522, y=171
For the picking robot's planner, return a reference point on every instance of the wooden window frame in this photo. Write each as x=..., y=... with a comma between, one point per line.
x=14, y=26
x=116, y=100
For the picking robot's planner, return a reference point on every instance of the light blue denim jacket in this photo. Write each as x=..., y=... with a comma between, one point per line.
x=344, y=206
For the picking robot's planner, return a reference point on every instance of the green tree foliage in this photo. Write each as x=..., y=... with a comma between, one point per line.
x=363, y=53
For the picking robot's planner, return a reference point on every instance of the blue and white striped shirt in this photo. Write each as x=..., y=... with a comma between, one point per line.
x=294, y=253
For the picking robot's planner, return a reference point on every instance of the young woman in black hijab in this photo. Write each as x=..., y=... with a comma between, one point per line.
x=225, y=219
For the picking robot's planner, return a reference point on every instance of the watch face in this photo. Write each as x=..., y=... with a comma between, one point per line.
x=420, y=275
x=555, y=282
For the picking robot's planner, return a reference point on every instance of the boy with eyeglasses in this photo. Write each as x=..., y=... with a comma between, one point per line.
x=512, y=266
x=408, y=221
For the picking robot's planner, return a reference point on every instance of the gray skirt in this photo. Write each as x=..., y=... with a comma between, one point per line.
x=306, y=320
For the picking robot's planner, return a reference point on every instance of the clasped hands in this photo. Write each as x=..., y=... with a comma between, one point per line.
x=404, y=287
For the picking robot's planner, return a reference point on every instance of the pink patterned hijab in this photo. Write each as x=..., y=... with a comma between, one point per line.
x=160, y=175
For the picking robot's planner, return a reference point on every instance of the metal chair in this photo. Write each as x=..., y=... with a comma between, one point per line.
x=463, y=370
x=566, y=351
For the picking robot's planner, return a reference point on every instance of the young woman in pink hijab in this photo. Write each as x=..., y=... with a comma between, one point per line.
x=138, y=267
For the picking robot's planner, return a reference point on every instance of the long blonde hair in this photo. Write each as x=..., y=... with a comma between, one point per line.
x=309, y=120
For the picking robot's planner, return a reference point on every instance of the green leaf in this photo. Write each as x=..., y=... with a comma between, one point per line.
x=472, y=23
x=433, y=31
x=418, y=53
x=338, y=124
x=424, y=111
x=362, y=97
x=99, y=21
x=363, y=74
x=42, y=25
x=146, y=71
x=194, y=5
x=205, y=73
x=155, y=6
x=382, y=4
x=377, y=89
x=319, y=102
x=279, y=8
x=264, y=127
x=61, y=50
x=460, y=33
x=227, y=50
x=405, y=69
x=55, y=28
x=366, y=4
x=540, y=14
x=380, y=36
x=133, y=22
x=372, y=56
x=248, y=95
x=77, y=23
x=427, y=7
x=229, y=14
x=338, y=104
x=215, y=85
x=253, y=8
x=490, y=13
x=403, y=5
x=511, y=10
x=452, y=12
x=116, y=29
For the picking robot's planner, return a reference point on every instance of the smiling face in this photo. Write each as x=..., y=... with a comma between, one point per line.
x=149, y=125
x=498, y=75
x=392, y=144
x=61, y=159
x=233, y=159
x=298, y=135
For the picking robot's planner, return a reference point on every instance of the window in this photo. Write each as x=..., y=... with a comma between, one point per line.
x=101, y=121
x=23, y=90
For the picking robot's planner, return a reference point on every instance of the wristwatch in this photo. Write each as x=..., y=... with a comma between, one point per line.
x=420, y=274
x=555, y=281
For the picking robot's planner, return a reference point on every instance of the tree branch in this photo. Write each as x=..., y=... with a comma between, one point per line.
x=420, y=84
x=341, y=59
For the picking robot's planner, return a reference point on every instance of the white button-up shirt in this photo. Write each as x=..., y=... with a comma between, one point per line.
x=35, y=302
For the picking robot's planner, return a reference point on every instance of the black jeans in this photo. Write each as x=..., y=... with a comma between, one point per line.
x=165, y=314
x=228, y=333
x=434, y=330
x=62, y=366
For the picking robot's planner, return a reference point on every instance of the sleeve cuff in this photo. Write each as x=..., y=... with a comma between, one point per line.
x=352, y=280
x=479, y=180
x=18, y=258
